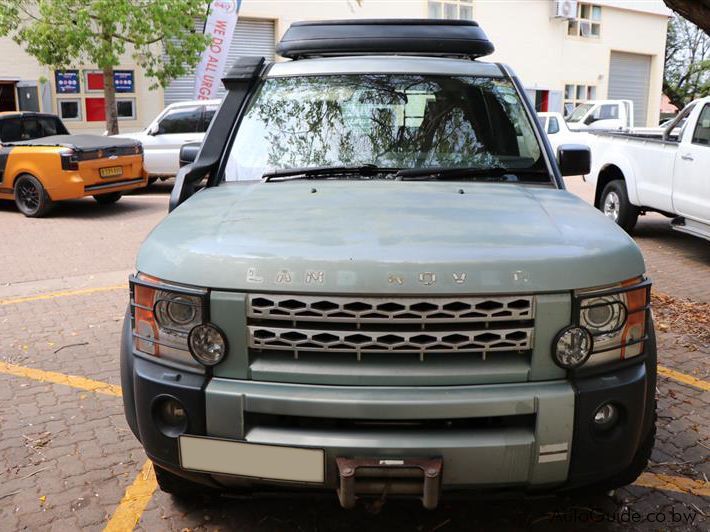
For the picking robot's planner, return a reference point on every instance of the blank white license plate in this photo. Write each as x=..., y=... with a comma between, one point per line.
x=212, y=455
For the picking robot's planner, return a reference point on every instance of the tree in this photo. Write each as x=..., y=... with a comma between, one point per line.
x=687, y=70
x=696, y=11
x=158, y=34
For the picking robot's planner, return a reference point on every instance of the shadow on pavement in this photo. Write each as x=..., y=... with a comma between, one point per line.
x=323, y=513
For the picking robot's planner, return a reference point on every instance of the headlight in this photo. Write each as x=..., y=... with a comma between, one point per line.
x=207, y=344
x=615, y=317
x=164, y=315
x=572, y=347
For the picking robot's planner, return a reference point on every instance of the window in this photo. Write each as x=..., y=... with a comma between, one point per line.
x=390, y=120
x=69, y=109
x=94, y=81
x=451, y=9
x=181, y=120
x=553, y=126
x=588, y=22
x=701, y=135
x=207, y=117
x=574, y=95
x=126, y=108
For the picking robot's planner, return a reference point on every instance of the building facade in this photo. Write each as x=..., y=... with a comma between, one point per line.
x=564, y=52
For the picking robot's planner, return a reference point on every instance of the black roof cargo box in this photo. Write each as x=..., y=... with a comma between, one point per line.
x=385, y=36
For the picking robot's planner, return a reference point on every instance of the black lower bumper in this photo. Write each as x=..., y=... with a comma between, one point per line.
x=595, y=456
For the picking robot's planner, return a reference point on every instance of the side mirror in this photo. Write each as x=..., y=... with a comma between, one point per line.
x=188, y=153
x=589, y=120
x=574, y=159
x=153, y=130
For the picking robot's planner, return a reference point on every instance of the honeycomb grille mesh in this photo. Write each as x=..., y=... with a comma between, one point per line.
x=401, y=310
x=364, y=325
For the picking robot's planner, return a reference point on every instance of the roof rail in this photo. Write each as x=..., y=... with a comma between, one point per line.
x=429, y=37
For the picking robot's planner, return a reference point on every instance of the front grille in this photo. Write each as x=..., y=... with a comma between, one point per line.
x=385, y=326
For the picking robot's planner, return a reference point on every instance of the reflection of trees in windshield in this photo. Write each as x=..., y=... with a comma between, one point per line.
x=388, y=120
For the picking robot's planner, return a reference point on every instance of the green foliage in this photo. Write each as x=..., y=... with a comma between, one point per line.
x=687, y=70
x=158, y=34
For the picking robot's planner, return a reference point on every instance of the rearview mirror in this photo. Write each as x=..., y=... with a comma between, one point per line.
x=574, y=159
x=188, y=153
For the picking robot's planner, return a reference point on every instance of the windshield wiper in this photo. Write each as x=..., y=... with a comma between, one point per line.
x=492, y=173
x=325, y=172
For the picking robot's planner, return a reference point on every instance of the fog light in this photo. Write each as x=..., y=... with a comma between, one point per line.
x=207, y=344
x=606, y=416
x=170, y=416
x=572, y=347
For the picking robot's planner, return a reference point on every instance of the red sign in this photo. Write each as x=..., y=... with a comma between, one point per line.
x=95, y=111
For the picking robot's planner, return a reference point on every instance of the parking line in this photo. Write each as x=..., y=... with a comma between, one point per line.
x=137, y=496
x=673, y=483
x=684, y=378
x=62, y=293
x=81, y=383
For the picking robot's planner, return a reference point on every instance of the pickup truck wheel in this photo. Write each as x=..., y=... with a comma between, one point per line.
x=31, y=197
x=616, y=206
x=108, y=199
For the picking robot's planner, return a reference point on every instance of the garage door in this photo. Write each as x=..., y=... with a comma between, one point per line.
x=629, y=76
x=251, y=37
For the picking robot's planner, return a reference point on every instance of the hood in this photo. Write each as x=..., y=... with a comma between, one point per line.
x=374, y=237
x=137, y=135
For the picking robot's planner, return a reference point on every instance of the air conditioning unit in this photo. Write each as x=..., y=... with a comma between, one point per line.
x=565, y=9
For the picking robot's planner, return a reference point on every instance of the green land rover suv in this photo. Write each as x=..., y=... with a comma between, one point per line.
x=372, y=280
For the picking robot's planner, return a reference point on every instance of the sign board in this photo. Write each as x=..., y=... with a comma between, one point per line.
x=123, y=81
x=221, y=21
x=67, y=81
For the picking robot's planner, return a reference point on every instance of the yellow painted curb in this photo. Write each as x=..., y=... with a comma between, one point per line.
x=81, y=383
x=684, y=378
x=129, y=511
x=62, y=293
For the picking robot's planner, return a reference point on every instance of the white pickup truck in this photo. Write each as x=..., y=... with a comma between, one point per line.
x=602, y=115
x=669, y=173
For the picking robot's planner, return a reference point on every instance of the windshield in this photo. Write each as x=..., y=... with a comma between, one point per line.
x=578, y=112
x=384, y=120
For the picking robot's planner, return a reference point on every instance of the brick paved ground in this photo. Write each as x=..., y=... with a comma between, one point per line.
x=67, y=455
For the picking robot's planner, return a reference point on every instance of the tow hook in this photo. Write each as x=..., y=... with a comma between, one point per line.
x=389, y=476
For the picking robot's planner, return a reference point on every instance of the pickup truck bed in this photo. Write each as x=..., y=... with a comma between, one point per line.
x=637, y=172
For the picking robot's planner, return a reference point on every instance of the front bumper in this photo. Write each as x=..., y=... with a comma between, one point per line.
x=529, y=436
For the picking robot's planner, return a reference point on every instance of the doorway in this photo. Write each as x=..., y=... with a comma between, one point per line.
x=8, y=101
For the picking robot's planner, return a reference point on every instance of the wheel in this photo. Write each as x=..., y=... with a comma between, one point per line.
x=31, y=197
x=614, y=203
x=178, y=486
x=108, y=199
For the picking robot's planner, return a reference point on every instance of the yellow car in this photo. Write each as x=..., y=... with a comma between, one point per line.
x=41, y=163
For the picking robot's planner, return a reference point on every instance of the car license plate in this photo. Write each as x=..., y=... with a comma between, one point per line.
x=112, y=171
x=214, y=455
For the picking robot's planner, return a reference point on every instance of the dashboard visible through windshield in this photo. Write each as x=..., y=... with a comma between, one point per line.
x=393, y=121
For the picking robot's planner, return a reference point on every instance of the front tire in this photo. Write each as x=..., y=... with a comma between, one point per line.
x=177, y=486
x=615, y=205
x=31, y=197
x=108, y=199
